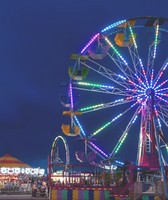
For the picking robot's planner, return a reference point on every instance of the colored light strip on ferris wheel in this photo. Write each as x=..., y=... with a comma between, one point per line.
x=95, y=85
x=113, y=25
x=101, y=128
x=151, y=81
x=134, y=119
x=161, y=84
x=102, y=105
x=162, y=99
x=121, y=142
x=138, y=86
x=110, y=122
x=116, y=51
x=91, y=143
x=122, y=77
x=90, y=42
x=156, y=41
x=162, y=94
x=156, y=112
x=133, y=37
x=98, y=149
x=144, y=73
x=83, y=132
x=91, y=107
x=163, y=89
x=140, y=81
x=160, y=74
x=124, y=136
x=71, y=95
x=140, y=61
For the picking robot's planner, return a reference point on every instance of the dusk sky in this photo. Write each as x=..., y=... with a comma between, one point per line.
x=37, y=38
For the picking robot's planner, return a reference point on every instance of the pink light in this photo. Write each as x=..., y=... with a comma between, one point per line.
x=128, y=98
x=139, y=110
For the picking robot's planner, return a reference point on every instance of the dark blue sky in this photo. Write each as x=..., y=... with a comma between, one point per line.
x=36, y=40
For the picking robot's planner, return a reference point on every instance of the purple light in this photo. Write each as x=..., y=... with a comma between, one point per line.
x=90, y=42
x=71, y=96
x=98, y=149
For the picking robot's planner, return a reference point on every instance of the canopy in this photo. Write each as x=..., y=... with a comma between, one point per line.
x=10, y=161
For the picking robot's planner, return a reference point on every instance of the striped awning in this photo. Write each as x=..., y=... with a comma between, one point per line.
x=10, y=161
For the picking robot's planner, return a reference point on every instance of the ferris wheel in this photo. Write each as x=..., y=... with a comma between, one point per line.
x=121, y=79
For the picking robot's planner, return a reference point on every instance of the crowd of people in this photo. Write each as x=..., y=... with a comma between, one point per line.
x=38, y=186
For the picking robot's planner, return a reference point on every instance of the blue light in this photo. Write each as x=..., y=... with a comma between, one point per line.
x=113, y=25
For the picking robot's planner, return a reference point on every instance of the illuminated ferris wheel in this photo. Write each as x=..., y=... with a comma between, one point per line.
x=121, y=77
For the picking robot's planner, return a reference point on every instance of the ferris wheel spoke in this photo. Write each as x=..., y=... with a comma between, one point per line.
x=162, y=118
x=115, y=91
x=157, y=116
x=133, y=50
x=163, y=114
x=118, y=59
x=165, y=108
x=125, y=82
x=126, y=70
x=132, y=75
x=103, y=71
x=163, y=89
x=125, y=133
x=117, y=53
x=163, y=83
x=95, y=87
x=153, y=48
x=161, y=99
x=162, y=137
x=161, y=72
x=105, y=89
x=110, y=122
x=162, y=94
x=156, y=39
x=102, y=106
x=136, y=60
x=91, y=145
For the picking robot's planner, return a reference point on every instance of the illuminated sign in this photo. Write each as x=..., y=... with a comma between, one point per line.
x=17, y=170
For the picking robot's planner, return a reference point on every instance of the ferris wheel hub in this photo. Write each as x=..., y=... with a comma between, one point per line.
x=150, y=92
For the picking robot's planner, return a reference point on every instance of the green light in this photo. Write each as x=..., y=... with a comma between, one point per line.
x=91, y=107
x=116, y=51
x=121, y=142
x=156, y=40
x=133, y=37
x=167, y=148
x=95, y=85
x=100, y=129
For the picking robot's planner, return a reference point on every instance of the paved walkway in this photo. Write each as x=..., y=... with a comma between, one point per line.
x=21, y=197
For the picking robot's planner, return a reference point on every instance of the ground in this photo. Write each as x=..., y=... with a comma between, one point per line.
x=21, y=197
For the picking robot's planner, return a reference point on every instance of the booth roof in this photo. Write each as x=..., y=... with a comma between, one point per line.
x=10, y=161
